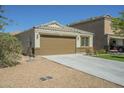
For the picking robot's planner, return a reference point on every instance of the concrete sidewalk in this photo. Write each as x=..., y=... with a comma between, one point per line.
x=112, y=71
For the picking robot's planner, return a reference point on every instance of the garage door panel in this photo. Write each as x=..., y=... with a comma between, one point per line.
x=57, y=45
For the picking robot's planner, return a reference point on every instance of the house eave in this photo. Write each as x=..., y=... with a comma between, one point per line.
x=115, y=36
x=60, y=33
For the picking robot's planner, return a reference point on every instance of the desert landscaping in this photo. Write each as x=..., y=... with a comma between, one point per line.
x=29, y=74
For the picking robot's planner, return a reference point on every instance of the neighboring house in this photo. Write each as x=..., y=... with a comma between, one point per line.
x=101, y=26
x=54, y=38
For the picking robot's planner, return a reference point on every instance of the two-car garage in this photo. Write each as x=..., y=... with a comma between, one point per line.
x=50, y=45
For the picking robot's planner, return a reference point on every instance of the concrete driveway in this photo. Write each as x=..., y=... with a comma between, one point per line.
x=112, y=71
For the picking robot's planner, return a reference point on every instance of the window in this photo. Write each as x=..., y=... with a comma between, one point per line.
x=84, y=41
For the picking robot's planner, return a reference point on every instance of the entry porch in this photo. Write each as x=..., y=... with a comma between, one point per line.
x=116, y=42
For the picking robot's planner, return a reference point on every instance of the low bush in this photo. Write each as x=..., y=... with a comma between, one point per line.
x=102, y=51
x=89, y=51
x=10, y=50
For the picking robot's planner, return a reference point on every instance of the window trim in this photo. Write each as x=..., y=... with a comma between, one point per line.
x=85, y=44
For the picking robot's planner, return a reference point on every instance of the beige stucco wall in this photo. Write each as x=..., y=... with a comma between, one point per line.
x=108, y=26
x=25, y=38
x=96, y=27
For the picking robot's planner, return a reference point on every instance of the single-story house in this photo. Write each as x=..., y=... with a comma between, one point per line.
x=54, y=38
x=104, y=37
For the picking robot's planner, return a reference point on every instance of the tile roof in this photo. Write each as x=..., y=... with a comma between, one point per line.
x=61, y=28
x=90, y=19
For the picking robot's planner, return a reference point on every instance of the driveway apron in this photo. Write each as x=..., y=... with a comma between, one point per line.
x=112, y=71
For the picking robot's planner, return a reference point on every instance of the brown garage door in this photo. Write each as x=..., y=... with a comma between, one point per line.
x=57, y=45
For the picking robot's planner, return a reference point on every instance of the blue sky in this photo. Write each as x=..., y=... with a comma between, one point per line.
x=28, y=16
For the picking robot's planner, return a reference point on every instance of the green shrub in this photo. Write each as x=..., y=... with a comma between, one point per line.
x=102, y=51
x=10, y=50
x=89, y=51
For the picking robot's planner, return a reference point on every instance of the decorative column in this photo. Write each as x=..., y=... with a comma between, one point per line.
x=91, y=41
x=78, y=41
x=37, y=40
x=108, y=42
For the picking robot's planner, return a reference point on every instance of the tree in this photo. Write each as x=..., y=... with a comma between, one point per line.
x=4, y=21
x=118, y=24
x=10, y=47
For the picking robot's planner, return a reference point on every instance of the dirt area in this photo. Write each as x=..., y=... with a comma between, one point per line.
x=28, y=74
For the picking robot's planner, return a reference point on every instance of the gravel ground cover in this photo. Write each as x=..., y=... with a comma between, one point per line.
x=31, y=75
